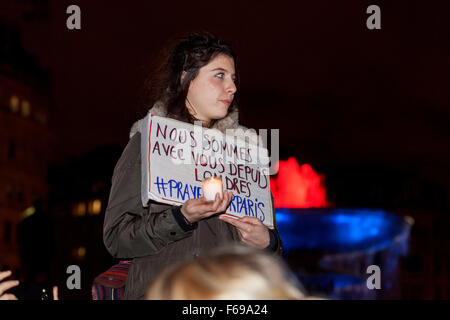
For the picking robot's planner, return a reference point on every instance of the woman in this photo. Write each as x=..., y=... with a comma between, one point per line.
x=197, y=82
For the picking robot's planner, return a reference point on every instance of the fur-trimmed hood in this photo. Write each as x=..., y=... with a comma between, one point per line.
x=231, y=121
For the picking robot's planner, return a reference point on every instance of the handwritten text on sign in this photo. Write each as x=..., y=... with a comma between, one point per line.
x=177, y=156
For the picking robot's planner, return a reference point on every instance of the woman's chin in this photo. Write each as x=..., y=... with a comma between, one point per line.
x=220, y=116
x=221, y=113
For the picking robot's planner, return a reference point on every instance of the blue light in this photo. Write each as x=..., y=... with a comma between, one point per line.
x=337, y=229
x=283, y=216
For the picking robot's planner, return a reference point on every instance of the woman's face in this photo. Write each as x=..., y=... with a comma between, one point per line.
x=212, y=90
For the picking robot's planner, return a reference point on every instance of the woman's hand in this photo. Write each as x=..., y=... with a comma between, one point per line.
x=198, y=209
x=5, y=286
x=252, y=231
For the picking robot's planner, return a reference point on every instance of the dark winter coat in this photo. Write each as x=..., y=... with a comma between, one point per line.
x=157, y=236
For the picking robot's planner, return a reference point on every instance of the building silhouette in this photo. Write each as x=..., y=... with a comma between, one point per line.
x=78, y=197
x=25, y=142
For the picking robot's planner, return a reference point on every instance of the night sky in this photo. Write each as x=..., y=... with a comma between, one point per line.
x=338, y=92
x=369, y=110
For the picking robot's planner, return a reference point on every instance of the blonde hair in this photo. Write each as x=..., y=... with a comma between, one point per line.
x=231, y=273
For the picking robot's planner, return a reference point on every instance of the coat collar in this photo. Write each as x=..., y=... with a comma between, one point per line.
x=231, y=121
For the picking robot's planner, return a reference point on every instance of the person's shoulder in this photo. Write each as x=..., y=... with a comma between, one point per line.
x=131, y=154
x=158, y=109
x=134, y=144
x=135, y=128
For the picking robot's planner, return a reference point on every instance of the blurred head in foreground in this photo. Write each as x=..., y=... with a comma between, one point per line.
x=229, y=273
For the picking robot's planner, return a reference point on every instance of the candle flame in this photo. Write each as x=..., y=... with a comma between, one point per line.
x=212, y=179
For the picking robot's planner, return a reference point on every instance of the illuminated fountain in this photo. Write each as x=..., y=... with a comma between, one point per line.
x=331, y=248
x=298, y=186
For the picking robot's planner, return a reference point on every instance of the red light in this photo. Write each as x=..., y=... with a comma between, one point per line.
x=298, y=186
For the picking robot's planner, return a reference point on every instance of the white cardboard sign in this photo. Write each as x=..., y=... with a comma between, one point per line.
x=177, y=156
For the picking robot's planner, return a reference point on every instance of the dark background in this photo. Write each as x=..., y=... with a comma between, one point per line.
x=368, y=109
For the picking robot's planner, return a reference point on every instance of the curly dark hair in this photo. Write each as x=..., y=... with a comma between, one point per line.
x=189, y=54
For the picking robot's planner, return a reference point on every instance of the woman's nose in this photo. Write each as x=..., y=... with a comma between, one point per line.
x=231, y=88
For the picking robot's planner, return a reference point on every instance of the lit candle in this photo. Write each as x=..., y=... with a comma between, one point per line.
x=211, y=186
